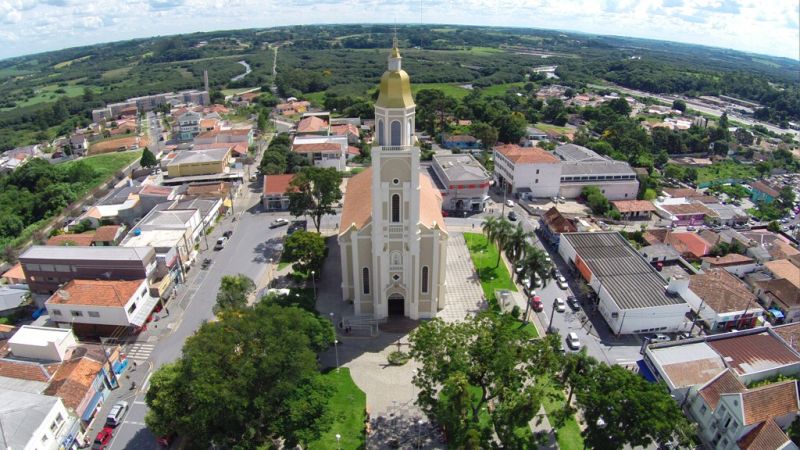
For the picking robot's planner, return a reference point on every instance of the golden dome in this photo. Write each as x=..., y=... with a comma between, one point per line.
x=395, y=87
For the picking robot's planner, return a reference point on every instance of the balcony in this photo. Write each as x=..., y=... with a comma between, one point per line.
x=395, y=229
x=396, y=148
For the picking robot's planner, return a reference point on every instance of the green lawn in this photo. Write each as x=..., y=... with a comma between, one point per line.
x=451, y=90
x=109, y=163
x=348, y=411
x=48, y=94
x=568, y=433
x=316, y=98
x=548, y=127
x=484, y=257
x=500, y=89
x=725, y=170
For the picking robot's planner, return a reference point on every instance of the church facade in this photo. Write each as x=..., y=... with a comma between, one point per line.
x=393, y=239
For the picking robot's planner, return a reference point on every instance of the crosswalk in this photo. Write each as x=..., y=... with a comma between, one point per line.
x=140, y=351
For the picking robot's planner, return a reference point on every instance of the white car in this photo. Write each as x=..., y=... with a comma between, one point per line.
x=279, y=222
x=510, y=203
x=573, y=342
x=561, y=306
x=562, y=282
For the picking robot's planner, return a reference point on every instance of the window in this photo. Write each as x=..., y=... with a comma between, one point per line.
x=44, y=439
x=77, y=313
x=132, y=308
x=395, y=208
x=381, y=139
x=365, y=280
x=396, y=181
x=59, y=418
x=56, y=312
x=425, y=279
x=537, y=181
x=395, y=133
x=144, y=291
x=94, y=314
x=537, y=171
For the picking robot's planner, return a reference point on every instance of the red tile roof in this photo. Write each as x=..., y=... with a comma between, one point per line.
x=688, y=243
x=681, y=192
x=106, y=233
x=686, y=209
x=763, y=187
x=27, y=370
x=83, y=239
x=113, y=293
x=765, y=436
x=527, y=155
x=626, y=206
x=152, y=189
x=345, y=129
x=73, y=380
x=724, y=383
x=723, y=292
x=311, y=124
x=357, y=208
x=753, y=352
x=557, y=222
x=353, y=150
x=15, y=272
x=325, y=147
x=277, y=184
x=770, y=401
x=731, y=259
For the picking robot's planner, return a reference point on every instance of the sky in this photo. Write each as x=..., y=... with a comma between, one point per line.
x=760, y=26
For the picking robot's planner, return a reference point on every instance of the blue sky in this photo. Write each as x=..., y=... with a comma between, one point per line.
x=760, y=26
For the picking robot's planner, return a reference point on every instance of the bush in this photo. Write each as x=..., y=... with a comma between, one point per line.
x=398, y=358
x=516, y=312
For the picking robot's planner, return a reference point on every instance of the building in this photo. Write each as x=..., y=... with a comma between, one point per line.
x=322, y=151
x=189, y=222
x=314, y=123
x=47, y=268
x=347, y=129
x=634, y=209
x=762, y=192
x=273, y=196
x=531, y=171
x=734, y=263
x=392, y=236
x=459, y=141
x=691, y=246
x=199, y=162
x=292, y=107
x=463, y=182
x=726, y=214
x=631, y=295
x=553, y=224
x=148, y=103
x=226, y=136
x=581, y=167
x=35, y=421
x=720, y=300
x=42, y=343
x=787, y=269
x=188, y=125
x=532, y=136
x=781, y=298
x=101, y=307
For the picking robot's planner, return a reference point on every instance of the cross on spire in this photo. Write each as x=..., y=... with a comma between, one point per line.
x=394, y=37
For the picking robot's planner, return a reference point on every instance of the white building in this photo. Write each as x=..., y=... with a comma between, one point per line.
x=462, y=180
x=632, y=295
x=581, y=167
x=531, y=171
x=188, y=125
x=322, y=151
x=35, y=422
x=45, y=343
x=392, y=240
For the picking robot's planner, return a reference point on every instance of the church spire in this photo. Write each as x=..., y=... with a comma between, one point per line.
x=395, y=88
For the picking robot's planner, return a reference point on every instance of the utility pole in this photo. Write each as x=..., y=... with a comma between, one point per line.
x=552, y=314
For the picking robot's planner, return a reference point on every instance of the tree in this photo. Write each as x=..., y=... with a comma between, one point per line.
x=596, y=200
x=482, y=361
x=497, y=231
x=535, y=268
x=622, y=409
x=774, y=226
x=485, y=133
x=148, y=159
x=786, y=196
x=679, y=105
x=233, y=292
x=511, y=127
x=516, y=243
x=306, y=250
x=246, y=381
x=313, y=192
x=743, y=136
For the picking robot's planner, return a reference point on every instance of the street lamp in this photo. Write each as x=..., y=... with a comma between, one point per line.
x=314, y=283
x=419, y=425
x=336, y=349
x=338, y=438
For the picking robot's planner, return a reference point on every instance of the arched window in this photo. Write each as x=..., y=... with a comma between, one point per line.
x=396, y=208
x=365, y=280
x=381, y=138
x=424, y=279
x=395, y=133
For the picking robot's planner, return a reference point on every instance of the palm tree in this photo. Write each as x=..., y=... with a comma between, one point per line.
x=515, y=246
x=534, y=267
x=497, y=231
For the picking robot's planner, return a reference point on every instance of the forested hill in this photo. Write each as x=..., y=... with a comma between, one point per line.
x=45, y=95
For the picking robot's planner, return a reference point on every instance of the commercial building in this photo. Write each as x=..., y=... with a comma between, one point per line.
x=150, y=102
x=683, y=211
x=553, y=224
x=530, y=171
x=47, y=268
x=781, y=298
x=463, y=182
x=634, y=209
x=581, y=167
x=322, y=151
x=35, y=421
x=199, y=162
x=632, y=296
x=273, y=196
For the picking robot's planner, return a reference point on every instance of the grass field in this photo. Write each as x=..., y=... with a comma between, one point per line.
x=108, y=164
x=451, y=90
x=568, y=433
x=500, y=89
x=548, y=127
x=116, y=73
x=348, y=410
x=227, y=92
x=725, y=170
x=63, y=64
x=48, y=94
x=484, y=256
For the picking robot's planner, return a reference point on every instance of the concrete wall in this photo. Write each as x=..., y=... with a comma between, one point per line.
x=106, y=315
x=613, y=190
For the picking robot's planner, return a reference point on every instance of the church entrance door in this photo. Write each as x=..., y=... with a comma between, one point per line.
x=396, y=305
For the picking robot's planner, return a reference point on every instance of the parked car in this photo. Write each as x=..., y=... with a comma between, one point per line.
x=103, y=438
x=297, y=225
x=279, y=222
x=573, y=303
x=562, y=282
x=228, y=233
x=206, y=263
x=512, y=216
x=510, y=203
x=220, y=243
x=573, y=342
x=536, y=304
x=656, y=338
x=114, y=417
x=560, y=305
x=684, y=335
x=690, y=228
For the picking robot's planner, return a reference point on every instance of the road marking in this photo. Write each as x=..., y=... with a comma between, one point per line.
x=146, y=380
x=139, y=402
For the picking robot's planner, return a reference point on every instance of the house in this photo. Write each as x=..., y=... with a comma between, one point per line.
x=731, y=416
x=199, y=162
x=691, y=246
x=217, y=189
x=190, y=221
x=47, y=268
x=226, y=136
x=581, y=167
x=733, y=263
x=532, y=136
x=682, y=211
x=35, y=421
x=108, y=235
x=720, y=300
x=533, y=170
x=78, y=144
x=681, y=193
x=463, y=182
x=209, y=208
x=316, y=123
x=553, y=224
x=347, y=129
x=780, y=249
x=83, y=239
x=121, y=205
x=631, y=294
x=634, y=209
x=788, y=269
x=101, y=307
x=273, y=195
x=726, y=214
x=322, y=151
x=293, y=107
x=781, y=298
x=459, y=141
x=762, y=192
x=14, y=275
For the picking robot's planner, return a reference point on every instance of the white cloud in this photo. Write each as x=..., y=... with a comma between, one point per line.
x=750, y=25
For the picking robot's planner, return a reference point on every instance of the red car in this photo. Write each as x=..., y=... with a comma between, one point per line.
x=536, y=304
x=103, y=438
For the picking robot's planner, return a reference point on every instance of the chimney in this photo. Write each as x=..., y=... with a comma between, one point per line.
x=678, y=285
x=205, y=79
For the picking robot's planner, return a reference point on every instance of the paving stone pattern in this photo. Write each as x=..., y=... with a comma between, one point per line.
x=464, y=292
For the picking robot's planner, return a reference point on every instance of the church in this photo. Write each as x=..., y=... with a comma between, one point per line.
x=393, y=239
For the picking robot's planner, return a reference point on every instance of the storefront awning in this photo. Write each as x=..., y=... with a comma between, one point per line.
x=645, y=372
x=91, y=408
